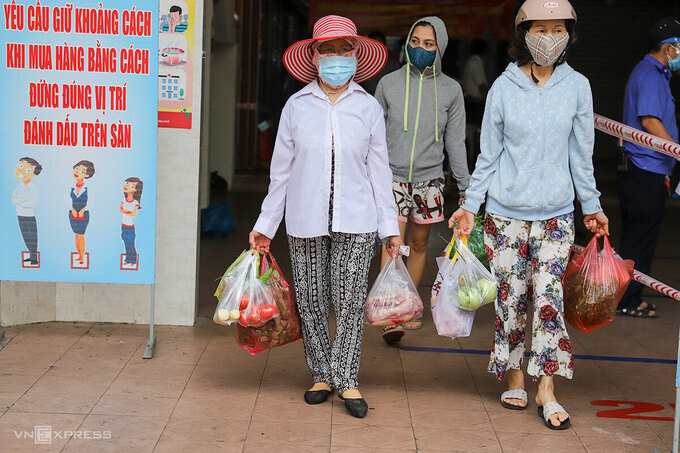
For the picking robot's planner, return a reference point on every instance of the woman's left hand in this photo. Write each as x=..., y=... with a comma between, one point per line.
x=393, y=244
x=597, y=223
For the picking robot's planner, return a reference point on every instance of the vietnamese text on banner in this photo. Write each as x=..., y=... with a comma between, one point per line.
x=79, y=129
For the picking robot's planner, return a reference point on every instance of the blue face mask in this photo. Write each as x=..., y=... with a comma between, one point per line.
x=419, y=57
x=674, y=64
x=337, y=70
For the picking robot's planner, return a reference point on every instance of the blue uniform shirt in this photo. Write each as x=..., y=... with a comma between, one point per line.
x=648, y=93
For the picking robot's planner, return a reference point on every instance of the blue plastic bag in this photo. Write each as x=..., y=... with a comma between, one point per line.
x=217, y=220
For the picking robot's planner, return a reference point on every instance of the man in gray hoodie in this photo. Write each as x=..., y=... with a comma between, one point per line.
x=424, y=113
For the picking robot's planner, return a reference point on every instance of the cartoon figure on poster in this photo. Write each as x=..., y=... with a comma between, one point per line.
x=175, y=65
x=132, y=193
x=79, y=215
x=175, y=18
x=24, y=199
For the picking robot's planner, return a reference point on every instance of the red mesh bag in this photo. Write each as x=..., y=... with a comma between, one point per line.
x=283, y=329
x=594, y=283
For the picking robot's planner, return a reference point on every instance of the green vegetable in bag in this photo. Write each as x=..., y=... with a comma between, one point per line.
x=476, y=242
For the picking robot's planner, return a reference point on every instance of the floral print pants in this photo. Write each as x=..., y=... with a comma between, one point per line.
x=529, y=259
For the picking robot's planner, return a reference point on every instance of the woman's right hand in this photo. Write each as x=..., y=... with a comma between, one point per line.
x=466, y=221
x=259, y=242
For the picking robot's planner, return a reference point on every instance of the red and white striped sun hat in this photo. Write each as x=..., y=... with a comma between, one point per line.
x=371, y=54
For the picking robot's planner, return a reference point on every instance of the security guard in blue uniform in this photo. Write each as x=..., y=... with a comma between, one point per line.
x=648, y=106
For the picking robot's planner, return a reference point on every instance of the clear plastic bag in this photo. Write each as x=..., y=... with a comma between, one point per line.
x=475, y=286
x=594, y=283
x=449, y=319
x=475, y=242
x=393, y=299
x=282, y=330
x=244, y=297
x=228, y=276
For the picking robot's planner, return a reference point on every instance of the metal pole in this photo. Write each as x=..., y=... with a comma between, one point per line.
x=3, y=340
x=151, y=345
x=676, y=422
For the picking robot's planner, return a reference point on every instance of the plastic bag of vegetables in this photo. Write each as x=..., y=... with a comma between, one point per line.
x=279, y=331
x=393, y=299
x=475, y=243
x=475, y=285
x=449, y=319
x=594, y=283
x=243, y=295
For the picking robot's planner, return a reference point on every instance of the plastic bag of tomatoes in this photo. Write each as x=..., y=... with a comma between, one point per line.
x=594, y=283
x=243, y=294
x=285, y=328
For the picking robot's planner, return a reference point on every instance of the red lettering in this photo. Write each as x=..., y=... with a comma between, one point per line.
x=37, y=132
x=16, y=55
x=14, y=16
x=39, y=56
x=637, y=407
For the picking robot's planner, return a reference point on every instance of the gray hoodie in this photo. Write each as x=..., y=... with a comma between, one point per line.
x=433, y=117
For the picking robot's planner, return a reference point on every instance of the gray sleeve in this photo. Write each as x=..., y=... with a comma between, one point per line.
x=454, y=141
x=380, y=97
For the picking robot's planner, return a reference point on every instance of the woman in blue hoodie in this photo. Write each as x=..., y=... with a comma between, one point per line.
x=536, y=148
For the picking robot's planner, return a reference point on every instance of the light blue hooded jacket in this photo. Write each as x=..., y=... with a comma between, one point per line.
x=536, y=147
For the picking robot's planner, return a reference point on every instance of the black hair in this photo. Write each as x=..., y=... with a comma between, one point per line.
x=519, y=51
x=654, y=48
x=89, y=168
x=37, y=167
x=378, y=36
x=176, y=9
x=478, y=47
x=423, y=23
x=139, y=186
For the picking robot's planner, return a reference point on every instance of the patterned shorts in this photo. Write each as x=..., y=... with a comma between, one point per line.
x=423, y=202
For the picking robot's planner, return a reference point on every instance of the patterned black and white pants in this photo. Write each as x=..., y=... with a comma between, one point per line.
x=333, y=268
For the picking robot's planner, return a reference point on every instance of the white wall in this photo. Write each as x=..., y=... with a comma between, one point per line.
x=176, y=244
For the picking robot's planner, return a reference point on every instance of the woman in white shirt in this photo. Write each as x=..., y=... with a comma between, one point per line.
x=330, y=170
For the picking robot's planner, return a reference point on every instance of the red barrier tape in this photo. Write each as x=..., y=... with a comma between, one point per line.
x=633, y=135
x=646, y=280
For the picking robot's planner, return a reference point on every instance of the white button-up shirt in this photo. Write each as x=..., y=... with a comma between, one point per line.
x=24, y=198
x=301, y=167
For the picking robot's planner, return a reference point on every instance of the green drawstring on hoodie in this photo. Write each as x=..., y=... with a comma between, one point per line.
x=436, y=111
x=436, y=105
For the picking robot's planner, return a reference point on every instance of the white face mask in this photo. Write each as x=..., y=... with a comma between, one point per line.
x=546, y=49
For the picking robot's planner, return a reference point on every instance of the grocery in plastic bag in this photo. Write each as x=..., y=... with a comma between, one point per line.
x=393, y=299
x=594, y=283
x=284, y=329
x=475, y=242
x=475, y=286
x=243, y=295
x=449, y=319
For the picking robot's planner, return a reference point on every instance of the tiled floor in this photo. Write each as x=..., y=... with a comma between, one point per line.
x=201, y=393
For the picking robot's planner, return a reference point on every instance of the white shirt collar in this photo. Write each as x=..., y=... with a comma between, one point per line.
x=314, y=88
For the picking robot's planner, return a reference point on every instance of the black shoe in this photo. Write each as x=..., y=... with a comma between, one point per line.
x=27, y=260
x=357, y=407
x=316, y=396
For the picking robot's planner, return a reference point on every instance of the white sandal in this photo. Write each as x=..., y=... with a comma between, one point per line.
x=552, y=408
x=517, y=394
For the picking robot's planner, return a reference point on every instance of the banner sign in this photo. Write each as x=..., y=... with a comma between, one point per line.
x=79, y=132
x=175, y=63
x=489, y=19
